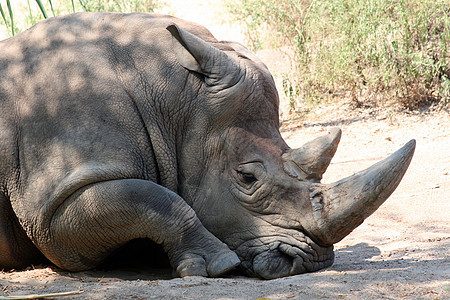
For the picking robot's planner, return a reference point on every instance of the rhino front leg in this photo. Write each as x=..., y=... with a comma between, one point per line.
x=16, y=249
x=101, y=217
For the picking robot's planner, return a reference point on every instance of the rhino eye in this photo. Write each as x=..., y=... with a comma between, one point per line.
x=247, y=177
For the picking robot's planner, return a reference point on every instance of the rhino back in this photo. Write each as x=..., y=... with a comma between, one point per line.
x=86, y=98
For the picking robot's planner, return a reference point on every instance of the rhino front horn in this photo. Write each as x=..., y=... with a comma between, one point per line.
x=340, y=207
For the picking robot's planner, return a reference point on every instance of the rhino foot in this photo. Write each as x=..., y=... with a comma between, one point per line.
x=195, y=265
x=222, y=263
x=192, y=266
x=195, y=251
x=200, y=253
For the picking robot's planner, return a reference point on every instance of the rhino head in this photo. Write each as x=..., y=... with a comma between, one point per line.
x=249, y=188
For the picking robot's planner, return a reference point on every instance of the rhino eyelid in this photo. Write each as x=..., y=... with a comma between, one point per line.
x=258, y=163
x=252, y=162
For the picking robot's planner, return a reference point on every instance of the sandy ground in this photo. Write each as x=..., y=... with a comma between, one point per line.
x=400, y=252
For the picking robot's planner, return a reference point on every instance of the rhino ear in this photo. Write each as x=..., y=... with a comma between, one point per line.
x=196, y=55
x=184, y=57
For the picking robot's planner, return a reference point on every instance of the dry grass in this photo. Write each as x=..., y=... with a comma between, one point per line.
x=370, y=52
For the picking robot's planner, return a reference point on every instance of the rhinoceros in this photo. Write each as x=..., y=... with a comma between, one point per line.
x=116, y=127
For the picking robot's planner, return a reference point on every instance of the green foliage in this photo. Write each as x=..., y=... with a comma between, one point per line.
x=28, y=13
x=41, y=7
x=120, y=5
x=290, y=91
x=11, y=17
x=370, y=51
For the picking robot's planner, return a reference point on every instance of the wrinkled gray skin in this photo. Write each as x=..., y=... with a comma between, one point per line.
x=122, y=126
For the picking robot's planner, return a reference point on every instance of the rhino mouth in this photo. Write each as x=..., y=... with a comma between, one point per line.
x=283, y=257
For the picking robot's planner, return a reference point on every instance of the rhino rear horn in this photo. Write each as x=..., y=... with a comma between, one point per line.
x=196, y=55
x=312, y=159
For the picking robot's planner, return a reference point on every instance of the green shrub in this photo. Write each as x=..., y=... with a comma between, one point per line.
x=120, y=5
x=372, y=52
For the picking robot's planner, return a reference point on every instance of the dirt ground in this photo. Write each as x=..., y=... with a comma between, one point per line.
x=400, y=252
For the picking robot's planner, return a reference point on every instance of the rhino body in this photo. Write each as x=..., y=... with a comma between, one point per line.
x=115, y=127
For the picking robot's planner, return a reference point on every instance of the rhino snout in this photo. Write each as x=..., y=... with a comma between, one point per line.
x=285, y=258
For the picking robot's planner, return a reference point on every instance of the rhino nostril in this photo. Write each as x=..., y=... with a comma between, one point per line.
x=289, y=250
x=301, y=262
x=295, y=251
x=306, y=262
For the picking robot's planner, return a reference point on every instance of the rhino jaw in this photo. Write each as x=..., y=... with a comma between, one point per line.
x=340, y=207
